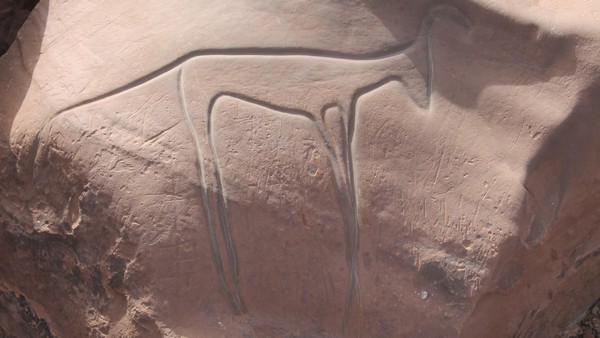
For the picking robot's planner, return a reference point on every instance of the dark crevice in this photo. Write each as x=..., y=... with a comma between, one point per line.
x=589, y=326
x=19, y=319
x=13, y=14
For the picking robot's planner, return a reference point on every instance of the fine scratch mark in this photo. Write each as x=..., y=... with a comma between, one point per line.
x=437, y=171
x=160, y=133
x=381, y=127
x=481, y=200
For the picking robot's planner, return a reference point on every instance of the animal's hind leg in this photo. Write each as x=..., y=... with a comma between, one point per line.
x=223, y=213
x=204, y=194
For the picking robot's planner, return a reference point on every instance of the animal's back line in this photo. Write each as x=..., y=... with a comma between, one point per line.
x=250, y=51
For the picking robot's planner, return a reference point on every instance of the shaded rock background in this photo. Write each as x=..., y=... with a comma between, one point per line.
x=12, y=15
x=589, y=325
x=478, y=217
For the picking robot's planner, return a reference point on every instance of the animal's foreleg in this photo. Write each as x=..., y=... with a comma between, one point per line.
x=353, y=303
x=340, y=157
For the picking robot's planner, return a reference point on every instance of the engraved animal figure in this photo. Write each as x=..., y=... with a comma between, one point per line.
x=319, y=85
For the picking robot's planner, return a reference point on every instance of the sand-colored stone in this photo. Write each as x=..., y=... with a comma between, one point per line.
x=300, y=169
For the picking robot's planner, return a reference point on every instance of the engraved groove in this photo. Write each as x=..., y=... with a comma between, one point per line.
x=214, y=244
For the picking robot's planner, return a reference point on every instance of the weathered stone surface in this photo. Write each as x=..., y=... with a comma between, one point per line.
x=300, y=168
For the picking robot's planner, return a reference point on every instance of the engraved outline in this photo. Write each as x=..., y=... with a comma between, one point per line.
x=347, y=182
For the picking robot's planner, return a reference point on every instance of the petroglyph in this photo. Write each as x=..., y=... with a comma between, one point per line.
x=321, y=86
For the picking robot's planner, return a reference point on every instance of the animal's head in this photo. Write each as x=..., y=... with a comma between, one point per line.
x=445, y=13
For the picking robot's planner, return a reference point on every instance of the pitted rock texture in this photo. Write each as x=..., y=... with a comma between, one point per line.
x=300, y=168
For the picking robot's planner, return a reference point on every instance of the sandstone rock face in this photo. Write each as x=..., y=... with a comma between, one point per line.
x=300, y=169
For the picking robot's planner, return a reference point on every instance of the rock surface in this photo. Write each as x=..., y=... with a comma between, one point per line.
x=300, y=169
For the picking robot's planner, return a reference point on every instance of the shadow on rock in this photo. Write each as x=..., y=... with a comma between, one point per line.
x=497, y=50
x=16, y=69
x=545, y=280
